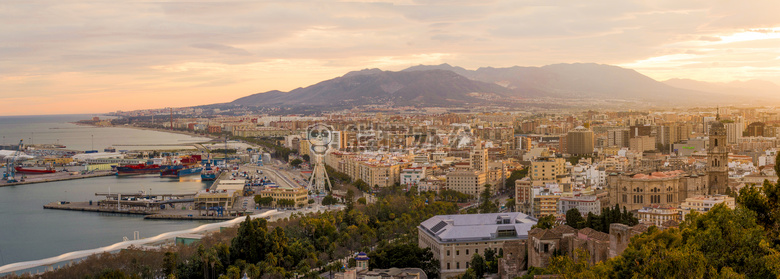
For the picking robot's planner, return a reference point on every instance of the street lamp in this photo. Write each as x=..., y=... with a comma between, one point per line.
x=93, y=142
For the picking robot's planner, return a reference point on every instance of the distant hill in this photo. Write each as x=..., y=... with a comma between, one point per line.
x=374, y=86
x=446, y=85
x=749, y=90
x=579, y=80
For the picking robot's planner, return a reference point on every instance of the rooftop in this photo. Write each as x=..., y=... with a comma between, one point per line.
x=478, y=227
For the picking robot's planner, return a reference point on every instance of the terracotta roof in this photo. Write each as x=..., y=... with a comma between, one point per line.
x=670, y=224
x=593, y=234
x=640, y=228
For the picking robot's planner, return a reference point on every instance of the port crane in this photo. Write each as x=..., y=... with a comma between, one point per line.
x=10, y=167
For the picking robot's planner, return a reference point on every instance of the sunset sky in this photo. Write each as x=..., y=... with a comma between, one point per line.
x=65, y=56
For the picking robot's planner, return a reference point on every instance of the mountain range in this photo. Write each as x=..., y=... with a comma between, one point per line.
x=446, y=85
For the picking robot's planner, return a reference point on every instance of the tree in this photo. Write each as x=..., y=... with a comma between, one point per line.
x=406, y=255
x=264, y=201
x=361, y=200
x=249, y=243
x=486, y=205
x=491, y=261
x=329, y=200
x=361, y=185
x=349, y=200
x=306, y=157
x=169, y=263
x=545, y=222
x=516, y=175
x=478, y=264
x=453, y=196
x=296, y=162
x=511, y=205
x=574, y=219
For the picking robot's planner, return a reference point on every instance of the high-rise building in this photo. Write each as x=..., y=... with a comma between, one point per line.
x=683, y=132
x=580, y=141
x=639, y=131
x=642, y=143
x=524, y=196
x=755, y=129
x=717, y=159
x=734, y=131
x=469, y=182
x=665, y=136
x=617, y=138
x=479, y=159
x=547, y=169
x=524, y=143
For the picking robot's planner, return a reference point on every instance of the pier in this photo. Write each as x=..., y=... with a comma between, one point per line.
x=59, y=176
x=153, y=206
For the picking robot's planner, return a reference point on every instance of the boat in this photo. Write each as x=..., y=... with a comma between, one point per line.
x=179, y=172
x=208, y=173
x=143, y=168
x=20, y=169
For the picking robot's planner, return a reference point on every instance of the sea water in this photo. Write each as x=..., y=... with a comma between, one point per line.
x=29, y=232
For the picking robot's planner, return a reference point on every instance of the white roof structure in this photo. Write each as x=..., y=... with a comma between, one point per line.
x=98, y=155
x=478, y=227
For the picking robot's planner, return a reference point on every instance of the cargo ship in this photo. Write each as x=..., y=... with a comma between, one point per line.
x=208, y=173
x=179, y=172
x=143, y=168
x=188, y=166
x=20, y=169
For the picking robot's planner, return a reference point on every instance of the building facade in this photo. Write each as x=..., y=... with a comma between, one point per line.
x=454, y=239
x=469, y=182
x=635, y=191
x=717, y=160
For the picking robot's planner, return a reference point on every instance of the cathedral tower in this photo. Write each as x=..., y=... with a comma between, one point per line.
x=717, y=159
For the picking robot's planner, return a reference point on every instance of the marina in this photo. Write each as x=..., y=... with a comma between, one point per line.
x=32, y=232
x=161, y=206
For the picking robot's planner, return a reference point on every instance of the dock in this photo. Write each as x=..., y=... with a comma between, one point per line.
x=84, y=206
x=60, y=176
x=156, y=209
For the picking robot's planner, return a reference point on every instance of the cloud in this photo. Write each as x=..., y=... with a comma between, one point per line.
x=58, y=49
x=229, y=50
x=709, y=38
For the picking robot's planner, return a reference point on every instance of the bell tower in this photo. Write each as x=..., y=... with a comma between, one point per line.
x=717, y=159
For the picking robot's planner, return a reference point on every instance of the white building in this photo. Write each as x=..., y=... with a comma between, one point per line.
x=704, y=204
x=413, y=175
x=454, y=239
x=583, y=203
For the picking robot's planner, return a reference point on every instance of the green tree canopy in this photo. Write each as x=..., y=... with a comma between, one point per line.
x=574, y=219
x=545, y=222
x=296, y=162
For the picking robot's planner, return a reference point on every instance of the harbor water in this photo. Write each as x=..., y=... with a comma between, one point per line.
x=29, y=232
x=59, y=129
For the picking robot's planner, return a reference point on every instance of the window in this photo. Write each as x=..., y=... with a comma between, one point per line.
x=546, y=248
x=448, y=252
x=457, y=265
x=467, y=252
x=448, y=265
x=457, y=252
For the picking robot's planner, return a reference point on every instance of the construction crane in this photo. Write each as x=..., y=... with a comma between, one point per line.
x=10, y=167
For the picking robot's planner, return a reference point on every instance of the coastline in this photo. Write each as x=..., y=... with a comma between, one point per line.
x=186, y=133
x=213, y=138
